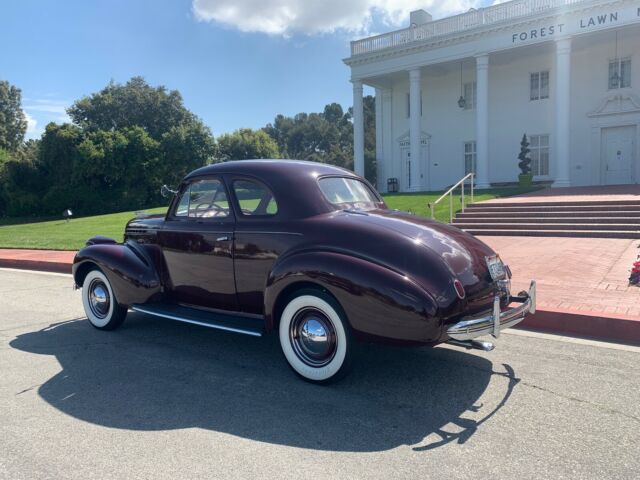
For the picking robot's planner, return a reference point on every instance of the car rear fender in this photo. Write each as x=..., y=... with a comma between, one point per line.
x=129, y=267
x=380, y=304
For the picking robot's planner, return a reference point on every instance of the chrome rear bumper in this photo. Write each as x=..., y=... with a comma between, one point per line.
x=498, y=320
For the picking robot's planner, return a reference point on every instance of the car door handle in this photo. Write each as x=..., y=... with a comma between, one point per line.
x=224, y=238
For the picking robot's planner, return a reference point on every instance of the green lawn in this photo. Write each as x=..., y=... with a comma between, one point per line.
x=418, y=202
x=62, y=235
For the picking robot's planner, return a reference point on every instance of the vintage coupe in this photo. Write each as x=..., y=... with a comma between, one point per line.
x=307, y=250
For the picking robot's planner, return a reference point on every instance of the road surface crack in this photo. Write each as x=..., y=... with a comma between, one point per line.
x=598, y=406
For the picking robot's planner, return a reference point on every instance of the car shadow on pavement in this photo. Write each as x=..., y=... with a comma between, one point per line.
x=154, y=374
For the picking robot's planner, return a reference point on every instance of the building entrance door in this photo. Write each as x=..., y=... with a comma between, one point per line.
x=405, y=158
x=618, y=154
x=405, y=182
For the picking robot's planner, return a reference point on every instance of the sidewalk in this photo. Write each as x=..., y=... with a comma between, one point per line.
x=582, y=283
x=583, y=286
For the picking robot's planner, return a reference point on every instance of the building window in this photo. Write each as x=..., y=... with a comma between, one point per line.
x=409, y=104
x=539, y=85
x=469, y=157
x=470, y=93
x=539, y=146
x=619, y=73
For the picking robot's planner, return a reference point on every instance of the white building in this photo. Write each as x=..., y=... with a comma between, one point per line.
x=565, y=72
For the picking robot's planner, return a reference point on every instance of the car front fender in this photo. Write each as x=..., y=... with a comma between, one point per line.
x=380, y=304
x=130, y=269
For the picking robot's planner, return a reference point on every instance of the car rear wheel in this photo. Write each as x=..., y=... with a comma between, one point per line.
x=315, y=337
x=100, y=305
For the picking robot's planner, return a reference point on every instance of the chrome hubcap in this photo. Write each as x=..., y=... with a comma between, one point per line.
x=99, y=300
x=313, y=337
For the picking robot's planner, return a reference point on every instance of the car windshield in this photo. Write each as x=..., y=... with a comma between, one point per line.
x=346, y=192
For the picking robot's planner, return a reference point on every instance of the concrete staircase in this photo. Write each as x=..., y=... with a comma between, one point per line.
x=603, y=219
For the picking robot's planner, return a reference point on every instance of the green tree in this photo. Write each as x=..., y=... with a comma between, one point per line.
x=321, y=137
x=29, y=151
x=13, y=122
x=182, y=148
x=20, y=184
x=134, y=104
x=125, y=141
x=5, y=158
x=246, y=143
x=369, y=104
x=326, y=137
x=523, y=157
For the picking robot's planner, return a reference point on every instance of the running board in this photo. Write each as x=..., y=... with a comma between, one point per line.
x=230, y=323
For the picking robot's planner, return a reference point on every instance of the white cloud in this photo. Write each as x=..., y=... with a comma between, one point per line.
x=32, y=124
x=48, y=110
x=40, y=111
x=46, y=105
x=285, y=17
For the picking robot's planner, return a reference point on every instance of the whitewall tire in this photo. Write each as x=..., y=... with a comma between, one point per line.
x=315, y=337
x=99, y=301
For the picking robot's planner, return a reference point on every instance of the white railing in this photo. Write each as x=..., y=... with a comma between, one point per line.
x=460, y=183
x=457, y=23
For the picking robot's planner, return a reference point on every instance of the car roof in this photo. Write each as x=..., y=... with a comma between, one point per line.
x=271, y=167
x=293, y=182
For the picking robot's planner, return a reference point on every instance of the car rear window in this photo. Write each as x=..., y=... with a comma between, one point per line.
x=345, y=192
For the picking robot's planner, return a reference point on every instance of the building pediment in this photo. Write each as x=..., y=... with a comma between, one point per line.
x=616, y=104
x=404, y=140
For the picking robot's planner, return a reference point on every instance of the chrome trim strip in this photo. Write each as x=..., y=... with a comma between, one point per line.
x=238, y=231
x=231, y=313
x=213, y=232
x=497, y=316
x=202, y=232
x=195, y=322
x=495, y=322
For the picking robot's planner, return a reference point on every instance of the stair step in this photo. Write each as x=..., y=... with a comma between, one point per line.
x=551, y=226
x=555, y=233
x=545, y=213
x=557, y=203
x=536, y=220
x=612, y=218
x=553, y=208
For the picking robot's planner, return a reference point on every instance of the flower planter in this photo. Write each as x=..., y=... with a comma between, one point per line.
x=525, y=180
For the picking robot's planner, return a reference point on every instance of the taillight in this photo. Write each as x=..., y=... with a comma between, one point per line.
x=459, y=289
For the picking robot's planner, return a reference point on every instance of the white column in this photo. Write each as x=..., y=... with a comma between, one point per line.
x=482, y=121
x=358, y=129
x=379, y=145
x=563, y=118
x=387, y=138
x=415, y=128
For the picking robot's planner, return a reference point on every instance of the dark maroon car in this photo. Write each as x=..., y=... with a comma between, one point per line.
x=307, y=250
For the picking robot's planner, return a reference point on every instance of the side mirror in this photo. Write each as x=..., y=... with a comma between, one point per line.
x=167, y=192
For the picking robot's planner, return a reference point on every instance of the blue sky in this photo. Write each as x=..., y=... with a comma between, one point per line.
x=237, y=63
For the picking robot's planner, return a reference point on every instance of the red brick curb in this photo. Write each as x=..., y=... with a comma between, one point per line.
x=42, y=266
x=598, y=326
x=43, y=260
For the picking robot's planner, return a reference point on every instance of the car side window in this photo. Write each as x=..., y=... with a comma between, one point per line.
x=203, y=199
x=254, y=198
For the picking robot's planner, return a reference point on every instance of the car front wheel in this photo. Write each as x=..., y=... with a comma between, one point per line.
x=315, y=337
x=100, y=305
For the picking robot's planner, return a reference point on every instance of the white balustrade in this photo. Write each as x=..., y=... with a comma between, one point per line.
x=457, y=23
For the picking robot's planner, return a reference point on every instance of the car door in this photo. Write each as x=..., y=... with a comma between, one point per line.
x=197, y=244
x=260, y=237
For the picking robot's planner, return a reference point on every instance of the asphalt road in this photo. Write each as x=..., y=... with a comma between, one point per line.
x=157, y=399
